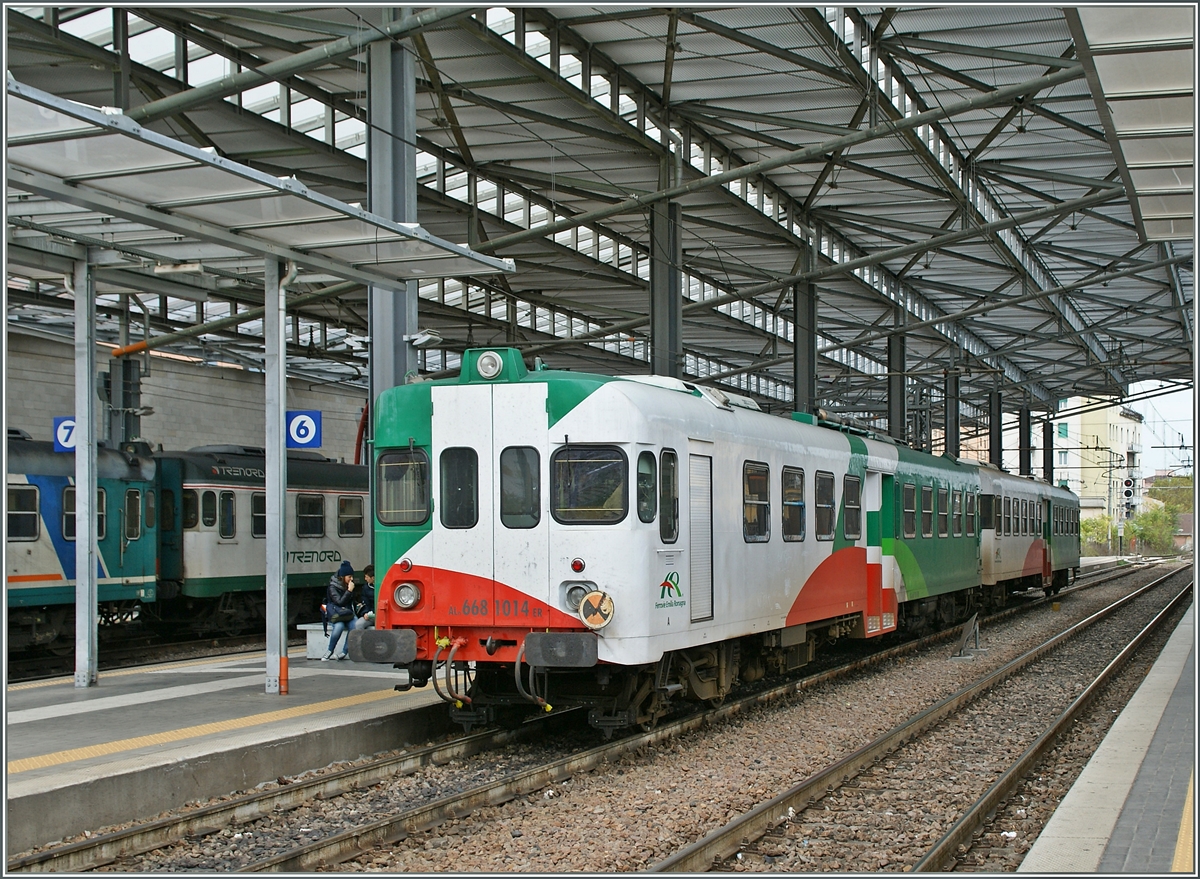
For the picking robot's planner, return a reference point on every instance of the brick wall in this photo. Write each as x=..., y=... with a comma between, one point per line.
x=193, y=404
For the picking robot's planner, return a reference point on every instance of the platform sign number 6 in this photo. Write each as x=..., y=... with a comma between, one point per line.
x=64, y=433
x=304, y=429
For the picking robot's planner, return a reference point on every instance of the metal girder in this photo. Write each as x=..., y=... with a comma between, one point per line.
x=55, y=188
x=795, y=157
x=1063, y=308
x=286, y=67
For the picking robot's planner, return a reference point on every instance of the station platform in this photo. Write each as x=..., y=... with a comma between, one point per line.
x=1132, y=808
x=154, y=738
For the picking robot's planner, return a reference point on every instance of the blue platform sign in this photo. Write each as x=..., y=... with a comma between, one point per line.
x=64, y=433
x=304, y=429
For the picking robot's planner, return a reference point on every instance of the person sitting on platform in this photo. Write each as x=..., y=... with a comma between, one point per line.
x=365, y=609
x=339, y=604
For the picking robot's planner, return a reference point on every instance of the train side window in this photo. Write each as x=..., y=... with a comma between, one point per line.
x=756, y=502
x=1037, y=528
x=793, y=504
x=68, y=518
x=23, y=512
x=208, y=509
x=927, y=511
x=987, y=512
x=228, y=515
x=258, y=514
x=647, y=497
x=101, y=513
x=970, y=514
x=956, y=513
x=310, y=515
x=1024, y=516
x=68, y=513
x=824, y=498
x=852, y=499
x=133, y=514
x=943, y=512
x=910, y=510
x=151, y=511
x=191, y=508
x=1007, y=516
x=402, y=487
x=460, y=487
x=668, y=496
x=520, y=487
x=350, y=516
x=589, y=485
x=166, y=513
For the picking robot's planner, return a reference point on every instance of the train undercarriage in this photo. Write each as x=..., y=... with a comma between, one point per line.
x=619, y=697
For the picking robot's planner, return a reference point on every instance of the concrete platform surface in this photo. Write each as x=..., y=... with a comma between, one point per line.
x=1130, y=810
x=154, y=738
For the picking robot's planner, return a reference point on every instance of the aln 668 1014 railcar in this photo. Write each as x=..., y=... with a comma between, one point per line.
x=557, y=538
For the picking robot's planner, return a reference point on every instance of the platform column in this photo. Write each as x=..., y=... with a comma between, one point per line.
x=1048, y=451
x=897, y=404
x=86, y=548
x=391, y=193
x=996, y=429
x=804, y=342
x=1025, y=441
x=951, y=425
x=275, y=340
x=666, y=298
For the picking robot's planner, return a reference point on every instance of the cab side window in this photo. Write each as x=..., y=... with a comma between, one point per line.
x=668, y=496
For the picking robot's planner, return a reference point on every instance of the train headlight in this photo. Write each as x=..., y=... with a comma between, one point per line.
x=407, y=595
x=575, y=596
x=489, y=364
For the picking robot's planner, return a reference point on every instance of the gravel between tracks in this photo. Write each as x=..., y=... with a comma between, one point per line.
x=643, y=807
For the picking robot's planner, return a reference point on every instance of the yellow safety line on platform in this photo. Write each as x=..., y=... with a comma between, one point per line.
x=205, y=729
x=142, y=669
x=1185, y=844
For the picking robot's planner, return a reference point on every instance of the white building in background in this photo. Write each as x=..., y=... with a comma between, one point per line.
x=1098, y=455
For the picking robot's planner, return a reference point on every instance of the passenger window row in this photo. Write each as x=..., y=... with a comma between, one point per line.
x=954, y=511
x=209, y=508
x=756, y=504
x=24, y=519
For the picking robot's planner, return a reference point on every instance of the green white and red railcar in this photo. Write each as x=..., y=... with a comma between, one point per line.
x=555, y=538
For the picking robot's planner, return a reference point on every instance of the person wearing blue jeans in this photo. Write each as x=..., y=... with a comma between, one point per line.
x=339, y=604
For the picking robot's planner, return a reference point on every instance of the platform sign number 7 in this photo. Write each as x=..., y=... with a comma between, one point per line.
x=64, y=433
x=304, y=429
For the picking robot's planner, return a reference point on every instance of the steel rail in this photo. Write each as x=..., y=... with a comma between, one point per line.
x=352, y=842
x=725, y=841
x=103, y=849
x=943, y=853
x=90, y=853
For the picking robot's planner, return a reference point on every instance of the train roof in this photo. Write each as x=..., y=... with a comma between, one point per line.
x=26, y=455
x=246, y=465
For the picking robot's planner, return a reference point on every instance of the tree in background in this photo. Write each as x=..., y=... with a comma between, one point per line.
x=1095, y=534
x=1154, y=530
x=1174, y=491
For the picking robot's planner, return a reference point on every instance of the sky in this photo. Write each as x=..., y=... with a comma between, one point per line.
x=1168, y=418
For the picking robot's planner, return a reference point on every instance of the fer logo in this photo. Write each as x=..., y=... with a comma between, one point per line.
x=669, y=585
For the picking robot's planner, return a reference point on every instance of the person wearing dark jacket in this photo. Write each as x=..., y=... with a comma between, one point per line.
x=365, y=609
x=339, y=605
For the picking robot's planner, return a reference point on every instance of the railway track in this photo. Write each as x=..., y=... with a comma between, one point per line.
x=337, y=847
x=770, y=834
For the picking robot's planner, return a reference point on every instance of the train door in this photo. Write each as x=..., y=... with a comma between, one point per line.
x=462, y=501
x=700, y=531
x=1047, y=545
x=881, y=595
x=170, y=518
x=521, y=491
